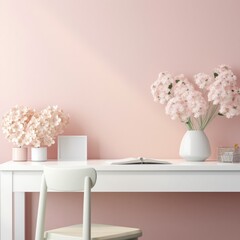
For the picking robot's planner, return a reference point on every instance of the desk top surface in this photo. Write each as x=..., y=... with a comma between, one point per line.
x=105, y=165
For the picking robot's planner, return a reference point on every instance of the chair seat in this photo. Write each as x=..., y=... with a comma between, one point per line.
x=98, y=232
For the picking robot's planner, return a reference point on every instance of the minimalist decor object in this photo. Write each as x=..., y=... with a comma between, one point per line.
x=24, y=126
x=195, y=146
x=14, y=126
x=197, y=106
x=72, y=147
x=229, y=154
x=39, y=154
x=76, y=179
x=43, y=128
x=19, y=154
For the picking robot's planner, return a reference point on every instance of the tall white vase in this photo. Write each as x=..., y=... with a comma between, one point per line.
x=195, y=146
x=39, y=154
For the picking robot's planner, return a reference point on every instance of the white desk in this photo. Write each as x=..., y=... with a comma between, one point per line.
x=180, y=176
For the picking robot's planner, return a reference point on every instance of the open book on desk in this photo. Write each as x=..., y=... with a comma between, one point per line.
x=138, y=160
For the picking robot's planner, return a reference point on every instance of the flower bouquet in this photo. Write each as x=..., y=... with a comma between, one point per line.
x=43, y=128
x=24, y=126
x=197, y=103
x=14, y=126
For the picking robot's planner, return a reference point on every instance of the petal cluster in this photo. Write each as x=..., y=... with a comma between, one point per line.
x=197, y=103
x=24, y=126
x=15, y=123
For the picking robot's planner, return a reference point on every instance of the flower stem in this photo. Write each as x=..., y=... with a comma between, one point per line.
x=189, y=124
x=210, y=115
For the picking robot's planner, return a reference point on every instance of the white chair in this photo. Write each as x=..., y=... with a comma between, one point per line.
x=75, y=179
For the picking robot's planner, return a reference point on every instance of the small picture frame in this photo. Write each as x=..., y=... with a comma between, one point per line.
x=72, y=148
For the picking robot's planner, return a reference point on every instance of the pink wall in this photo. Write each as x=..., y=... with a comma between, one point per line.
x=96, y=60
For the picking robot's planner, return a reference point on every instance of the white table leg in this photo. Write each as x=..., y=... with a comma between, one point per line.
x=19, y=216
x=6, y=206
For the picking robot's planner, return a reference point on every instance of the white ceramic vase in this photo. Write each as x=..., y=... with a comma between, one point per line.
x=19, y=154
x=195, y=146
x=39, y=154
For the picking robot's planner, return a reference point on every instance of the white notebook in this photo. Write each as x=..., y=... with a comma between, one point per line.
x=138, y=160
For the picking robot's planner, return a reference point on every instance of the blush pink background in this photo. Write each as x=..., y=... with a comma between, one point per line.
x=97, y=60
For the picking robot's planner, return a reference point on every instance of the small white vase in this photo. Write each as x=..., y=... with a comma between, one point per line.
x=19, y=154
x=195, y=146
x=39, y=154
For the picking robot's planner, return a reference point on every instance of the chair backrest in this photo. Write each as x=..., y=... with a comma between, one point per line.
x=67, y=179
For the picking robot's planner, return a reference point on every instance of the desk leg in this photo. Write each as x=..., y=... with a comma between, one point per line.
x=6, y=206
x=19, y=216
